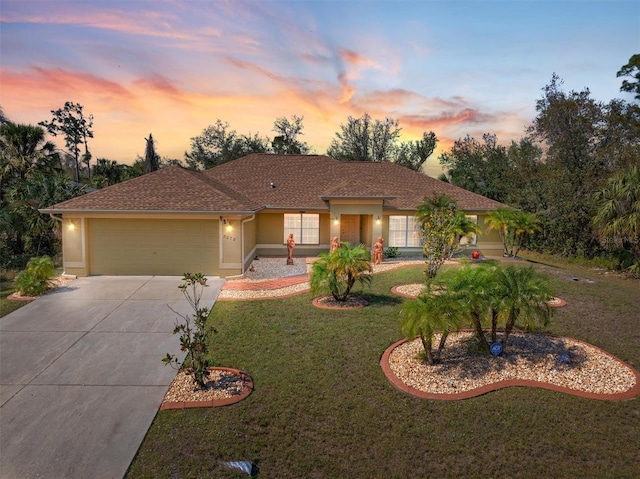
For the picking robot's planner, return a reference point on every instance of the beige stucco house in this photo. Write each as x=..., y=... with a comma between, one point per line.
x=176, y=220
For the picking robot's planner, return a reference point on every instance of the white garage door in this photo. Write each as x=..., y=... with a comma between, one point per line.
x=153, y=247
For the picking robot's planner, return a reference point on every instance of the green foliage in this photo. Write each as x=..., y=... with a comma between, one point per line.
x=71, y=122
x=338, y=271
x=485, y=295
x=513, y=227
x=33, y=280
x=632, y=70
x=218, y=144
x=194, y=335
x=391, y=252
x=366, y=139
x=429, y=313
x=442, y=225
x=617, y=221
x=286, y=140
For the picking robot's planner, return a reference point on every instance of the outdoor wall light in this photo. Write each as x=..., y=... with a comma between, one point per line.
x=335, y=220
x=72, y=225
x=229, y=227
x=378, y=220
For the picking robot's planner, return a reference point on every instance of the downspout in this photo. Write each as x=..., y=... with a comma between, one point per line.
x=253, y=217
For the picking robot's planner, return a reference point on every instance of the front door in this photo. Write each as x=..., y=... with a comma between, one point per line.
x=350, y=228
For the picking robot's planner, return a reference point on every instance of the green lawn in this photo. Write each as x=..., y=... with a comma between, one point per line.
x=6, y=306
x=322, y=408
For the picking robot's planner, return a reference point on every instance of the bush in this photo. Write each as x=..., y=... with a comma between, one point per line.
x=33, y=280
x=391, y=252
x=194, y=337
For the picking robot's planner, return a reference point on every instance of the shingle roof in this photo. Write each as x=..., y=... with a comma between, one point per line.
x=260, y=181
x=171, y=189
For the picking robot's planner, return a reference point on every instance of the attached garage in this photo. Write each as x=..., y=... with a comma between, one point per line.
x=165, y=247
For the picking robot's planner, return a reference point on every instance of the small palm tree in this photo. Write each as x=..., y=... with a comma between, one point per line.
x=428, y=314
x=523, y=224
x=500, y=220
x=464, y=227
x=473, y=288
x=338, y=271
x=522, y=294
x=513, y=226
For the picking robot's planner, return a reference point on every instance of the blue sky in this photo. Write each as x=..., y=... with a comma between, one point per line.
x=173, y=67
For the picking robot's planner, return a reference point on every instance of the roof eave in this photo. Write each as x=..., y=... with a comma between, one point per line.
x=53, y=211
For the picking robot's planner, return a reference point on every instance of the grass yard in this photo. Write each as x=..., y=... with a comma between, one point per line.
x=7, y=306
x=322, y=407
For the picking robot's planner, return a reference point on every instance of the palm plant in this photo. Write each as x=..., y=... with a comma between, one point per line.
x=464, y=227
x=338, y=271
x=617, y=221
x=473, y=288
x=428, y=314
x=522, y=294
x=513, y=226
x=523, y=224
x=500, y=220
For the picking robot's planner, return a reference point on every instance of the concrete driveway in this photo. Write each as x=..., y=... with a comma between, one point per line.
x=81, y=374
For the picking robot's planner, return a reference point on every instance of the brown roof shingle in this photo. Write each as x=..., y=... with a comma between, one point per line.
x=260, y=181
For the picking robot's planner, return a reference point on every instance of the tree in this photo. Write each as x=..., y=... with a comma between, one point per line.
x=570, y=126
x=428, y=314
x=23, y=150
x=338, y=271
x=286, y=140
x=617, y=221
x=194, y=335
x=440, y=227
x=365, y=139
x=218, y=144
x=71, y=122
x=522, y=294
x=413, y=155
x=513, y=226
x=632, y=70
x=151, y=158
x=108, y=172
x=481, y=167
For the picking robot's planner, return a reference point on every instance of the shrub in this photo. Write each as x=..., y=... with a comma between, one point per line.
x=391, y=252
x=33, y=280
x=337, y=272
x=194, y=336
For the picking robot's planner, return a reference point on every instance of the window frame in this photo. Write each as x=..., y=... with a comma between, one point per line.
x=408, y=232
x=299, y=229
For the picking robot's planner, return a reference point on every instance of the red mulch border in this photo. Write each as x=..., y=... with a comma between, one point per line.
x=248, y=388
x=397, y=382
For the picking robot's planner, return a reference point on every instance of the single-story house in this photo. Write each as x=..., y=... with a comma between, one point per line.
x=216, y=221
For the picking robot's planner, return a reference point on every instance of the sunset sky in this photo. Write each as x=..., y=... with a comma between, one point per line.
x=172, y=67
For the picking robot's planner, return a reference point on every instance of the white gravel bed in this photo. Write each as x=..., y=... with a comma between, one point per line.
x=412, y=289
x=219, y=385
x=263, y=293
x=528, y=356
x=272, y=268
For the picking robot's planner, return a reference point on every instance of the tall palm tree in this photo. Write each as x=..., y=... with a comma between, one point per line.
x=617, y=220
x=338, y=271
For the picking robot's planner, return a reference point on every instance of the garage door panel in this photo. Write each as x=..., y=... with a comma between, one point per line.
x=153, y=247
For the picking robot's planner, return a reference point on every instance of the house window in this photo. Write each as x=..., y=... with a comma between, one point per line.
x=473, y=239
x=403, y=232
x=305, y=228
